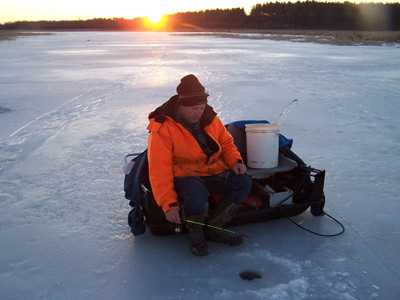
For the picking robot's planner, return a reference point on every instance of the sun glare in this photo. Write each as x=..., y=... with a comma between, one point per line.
x=155, y=18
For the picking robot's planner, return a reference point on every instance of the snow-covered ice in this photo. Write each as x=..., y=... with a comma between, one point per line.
x=74, y=103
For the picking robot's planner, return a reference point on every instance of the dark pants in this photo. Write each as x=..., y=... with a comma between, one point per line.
x=194, y=191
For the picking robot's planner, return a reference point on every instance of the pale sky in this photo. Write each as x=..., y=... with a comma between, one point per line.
x=34, y=10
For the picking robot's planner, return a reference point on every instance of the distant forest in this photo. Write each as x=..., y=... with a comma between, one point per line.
x=273, y=15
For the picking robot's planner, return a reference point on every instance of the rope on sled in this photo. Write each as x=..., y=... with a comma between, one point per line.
x=317, y=233
x=306, y=229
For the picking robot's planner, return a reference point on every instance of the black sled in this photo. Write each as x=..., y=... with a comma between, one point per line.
x=285, y=191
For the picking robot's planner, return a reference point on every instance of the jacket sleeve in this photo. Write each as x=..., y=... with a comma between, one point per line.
x=229, y=151
x=161, y=170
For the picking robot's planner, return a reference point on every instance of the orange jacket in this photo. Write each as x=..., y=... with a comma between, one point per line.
x=174, y=152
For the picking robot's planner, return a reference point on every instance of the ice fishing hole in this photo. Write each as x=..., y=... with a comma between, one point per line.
x=4, y=109
x=250, y=275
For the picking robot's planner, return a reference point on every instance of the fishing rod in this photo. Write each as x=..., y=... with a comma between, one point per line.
x=214, y=227
x=286, y=110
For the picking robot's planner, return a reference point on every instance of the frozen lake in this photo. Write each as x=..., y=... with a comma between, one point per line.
x=72, y=104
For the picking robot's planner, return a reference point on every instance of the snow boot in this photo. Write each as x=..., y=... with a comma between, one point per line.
x=198, y=244
x=219, y=216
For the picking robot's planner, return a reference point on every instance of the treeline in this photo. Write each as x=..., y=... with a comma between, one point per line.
x=93, y=24
x=273, y=15
x=327, y=15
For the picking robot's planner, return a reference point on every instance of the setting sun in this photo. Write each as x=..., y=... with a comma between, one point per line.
x=155, y=18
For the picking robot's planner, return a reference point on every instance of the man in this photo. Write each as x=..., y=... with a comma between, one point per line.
x=192, y=155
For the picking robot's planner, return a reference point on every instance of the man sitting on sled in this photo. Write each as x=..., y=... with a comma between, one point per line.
x=191, y=155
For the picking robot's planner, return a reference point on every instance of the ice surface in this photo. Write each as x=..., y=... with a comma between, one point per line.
x=77, y=102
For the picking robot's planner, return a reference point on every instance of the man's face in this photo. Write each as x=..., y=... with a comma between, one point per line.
x=192, y=114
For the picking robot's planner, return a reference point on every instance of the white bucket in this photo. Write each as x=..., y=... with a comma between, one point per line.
x=262, y=143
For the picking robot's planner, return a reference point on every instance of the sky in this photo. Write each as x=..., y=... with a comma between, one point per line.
x=28, y=10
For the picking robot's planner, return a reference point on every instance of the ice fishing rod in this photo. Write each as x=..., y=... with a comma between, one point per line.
x=286, y=110
x=214, y=227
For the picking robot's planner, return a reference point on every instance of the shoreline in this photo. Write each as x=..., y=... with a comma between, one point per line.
x=339, y=38
x=10, y=35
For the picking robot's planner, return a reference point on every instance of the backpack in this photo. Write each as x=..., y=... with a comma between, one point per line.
x=136, y=178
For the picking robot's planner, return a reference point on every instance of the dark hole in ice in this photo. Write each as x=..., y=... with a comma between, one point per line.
x=4, y=109
x=249, y=275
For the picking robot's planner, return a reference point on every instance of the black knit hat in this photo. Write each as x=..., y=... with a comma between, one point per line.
x=191, y=92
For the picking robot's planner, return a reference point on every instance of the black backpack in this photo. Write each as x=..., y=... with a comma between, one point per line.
x=134, y=186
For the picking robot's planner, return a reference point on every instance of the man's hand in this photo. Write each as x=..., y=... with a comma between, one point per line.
x=239, y=169
x=173, y=216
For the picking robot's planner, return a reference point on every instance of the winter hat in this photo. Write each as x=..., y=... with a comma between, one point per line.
x=191, y=92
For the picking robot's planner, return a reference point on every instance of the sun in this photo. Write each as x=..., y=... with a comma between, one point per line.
x=155, y=18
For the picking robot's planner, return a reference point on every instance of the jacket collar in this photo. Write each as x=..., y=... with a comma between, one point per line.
x=167, y=109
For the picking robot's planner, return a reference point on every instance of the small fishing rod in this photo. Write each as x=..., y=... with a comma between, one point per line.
x=286, y=110
x=214, y=227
